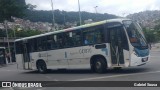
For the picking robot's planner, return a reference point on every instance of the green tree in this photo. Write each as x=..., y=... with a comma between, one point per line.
x=64, y=16
x=9, y=8
x=151, y=35
x=27, y=33
x=157, y=29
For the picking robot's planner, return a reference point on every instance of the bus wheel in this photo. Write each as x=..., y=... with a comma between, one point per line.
x=41, y=66
x=100, y=65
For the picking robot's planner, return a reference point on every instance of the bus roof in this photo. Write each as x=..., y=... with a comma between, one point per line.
x=75, y=28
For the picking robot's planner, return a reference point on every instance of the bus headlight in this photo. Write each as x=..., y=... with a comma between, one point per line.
x=144, y=59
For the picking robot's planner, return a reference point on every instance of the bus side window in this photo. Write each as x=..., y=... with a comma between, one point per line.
x=60, y=42
x=41, y=42
x=93, y=35
x=67, y=39
x=33, y=46
x=89, y=36
x=76, y=38
x=99, y=36
x=51, y=44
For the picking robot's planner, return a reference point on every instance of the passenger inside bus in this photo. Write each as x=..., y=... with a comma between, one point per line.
x=86, y=41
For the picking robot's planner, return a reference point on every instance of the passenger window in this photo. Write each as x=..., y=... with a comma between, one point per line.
x=33, y=45
x=41, y=43
x=51, y=42
x=89, y=38
x=76, y=39
x=67, y=39
x=99, y=37
x=93, y=35
x=60, y=42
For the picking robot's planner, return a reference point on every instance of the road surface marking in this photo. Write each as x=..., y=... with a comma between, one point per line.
x=93, y=78
x=48, y=77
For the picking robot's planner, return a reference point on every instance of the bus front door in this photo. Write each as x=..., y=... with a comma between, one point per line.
x=26, y=56
x=118, y=44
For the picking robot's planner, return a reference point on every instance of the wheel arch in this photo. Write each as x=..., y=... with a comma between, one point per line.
x=40, y=60
x=92, y=59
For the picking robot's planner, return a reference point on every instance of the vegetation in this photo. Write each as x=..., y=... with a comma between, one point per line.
x=150, y=35
x=19, y=33
x=9, y=8
x=27, y=33
x=63, y=16
x=153, y=35
x=15, y=8
x=157, y=29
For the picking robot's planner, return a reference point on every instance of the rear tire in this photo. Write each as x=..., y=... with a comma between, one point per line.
x=100, y=65
x=41, y=66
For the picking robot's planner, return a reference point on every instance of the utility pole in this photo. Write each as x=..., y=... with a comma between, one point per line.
x=9, y=50
x=80, y=20
x=64, y=18
x=96, y=12
x=53, y=23
x=14, y=32
x=96, y=9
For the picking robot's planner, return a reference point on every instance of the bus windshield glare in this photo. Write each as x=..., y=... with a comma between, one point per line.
x=135, y=34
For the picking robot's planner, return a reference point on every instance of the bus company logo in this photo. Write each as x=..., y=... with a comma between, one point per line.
x=6, y=84
x=83, y=51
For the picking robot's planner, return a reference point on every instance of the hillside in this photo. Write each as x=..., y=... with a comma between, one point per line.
x=146, y=18
x=63, y=16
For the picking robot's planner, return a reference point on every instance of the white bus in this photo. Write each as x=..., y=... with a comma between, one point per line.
x=114, y=43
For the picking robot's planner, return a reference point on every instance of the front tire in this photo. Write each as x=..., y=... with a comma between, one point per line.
x=41, y=66
x=100, y=65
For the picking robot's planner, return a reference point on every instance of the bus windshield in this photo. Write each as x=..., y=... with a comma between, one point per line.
x=135, y=34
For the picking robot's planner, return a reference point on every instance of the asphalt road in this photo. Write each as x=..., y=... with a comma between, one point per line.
x=148, y=72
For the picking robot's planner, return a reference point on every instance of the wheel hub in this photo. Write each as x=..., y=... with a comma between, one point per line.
x=98, y=65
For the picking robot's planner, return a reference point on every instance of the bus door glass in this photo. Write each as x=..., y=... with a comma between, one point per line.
x=26, y=56
x=118, y=44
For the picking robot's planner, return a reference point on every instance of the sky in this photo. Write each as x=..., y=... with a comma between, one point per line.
x=116, y=7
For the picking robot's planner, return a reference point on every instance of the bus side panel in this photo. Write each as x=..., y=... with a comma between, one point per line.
x=89, y=51
x=19, y=60
x=108, y=56
x=75, y=58
x=37, y=56
x=126, y=58
x=57, y=59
